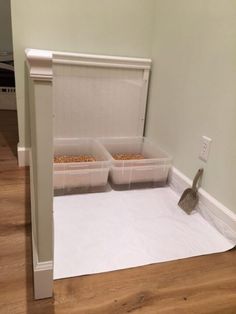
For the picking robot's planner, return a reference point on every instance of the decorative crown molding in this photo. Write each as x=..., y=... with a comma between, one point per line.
x=39, y=64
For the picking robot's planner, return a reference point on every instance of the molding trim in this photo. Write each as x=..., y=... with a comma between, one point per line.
x=43, y=271
x=219, y=216
x=43, y=275
x=23, y=156
x=39, y=64
x=102, y=60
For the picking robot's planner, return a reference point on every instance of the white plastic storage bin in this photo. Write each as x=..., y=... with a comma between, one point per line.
x=80, y=174
x=153, y=168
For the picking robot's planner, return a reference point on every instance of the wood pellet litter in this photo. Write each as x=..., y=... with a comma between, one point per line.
x=127, y=156
x=79, y=158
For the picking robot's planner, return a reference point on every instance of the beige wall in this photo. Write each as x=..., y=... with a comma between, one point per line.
x=108, y=27
x=5, y=26
x=193, y=89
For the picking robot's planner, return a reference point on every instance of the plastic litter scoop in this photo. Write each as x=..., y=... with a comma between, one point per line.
x=189, y=198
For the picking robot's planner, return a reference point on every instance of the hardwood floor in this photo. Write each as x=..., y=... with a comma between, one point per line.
x=205, y=284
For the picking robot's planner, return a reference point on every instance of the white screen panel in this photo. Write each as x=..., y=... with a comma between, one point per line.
x=94, y=101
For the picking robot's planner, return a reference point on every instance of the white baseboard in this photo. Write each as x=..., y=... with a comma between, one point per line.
x=23, y=156
x=42, y=271
x=223, y=219
x=43, y=276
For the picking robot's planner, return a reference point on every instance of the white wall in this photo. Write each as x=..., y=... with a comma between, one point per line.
x=193, y=89
x=5, y=26
x=108, y=27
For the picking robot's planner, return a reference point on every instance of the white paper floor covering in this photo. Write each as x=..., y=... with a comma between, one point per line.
x=103, y=232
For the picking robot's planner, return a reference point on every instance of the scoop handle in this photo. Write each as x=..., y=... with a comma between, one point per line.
x=196, y=179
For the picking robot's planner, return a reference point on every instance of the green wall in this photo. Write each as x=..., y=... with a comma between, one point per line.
x=122, y=27
x=193, y=47
x=193, y=89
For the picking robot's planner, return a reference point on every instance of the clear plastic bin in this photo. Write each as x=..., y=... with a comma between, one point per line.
x=80, y=174
x=153, y=168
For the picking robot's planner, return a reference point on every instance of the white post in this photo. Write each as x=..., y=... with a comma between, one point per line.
x=41, y=170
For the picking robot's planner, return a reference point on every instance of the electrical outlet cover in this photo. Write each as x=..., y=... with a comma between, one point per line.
x=205, y=148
